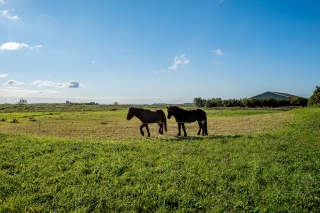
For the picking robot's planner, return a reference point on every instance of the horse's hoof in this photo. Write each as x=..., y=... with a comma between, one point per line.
x=185, y=135
x=142, y=133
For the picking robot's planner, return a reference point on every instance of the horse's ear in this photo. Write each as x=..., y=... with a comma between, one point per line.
x=167, y=107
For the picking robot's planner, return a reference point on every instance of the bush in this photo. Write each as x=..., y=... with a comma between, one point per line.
x=315, y=97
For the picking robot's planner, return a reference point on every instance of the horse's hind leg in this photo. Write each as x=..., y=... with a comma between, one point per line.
x=184, y=129
x=203, y=128
x=148, y=130
x=200, y=127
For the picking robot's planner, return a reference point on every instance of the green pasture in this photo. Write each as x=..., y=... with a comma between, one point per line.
x=97, y=161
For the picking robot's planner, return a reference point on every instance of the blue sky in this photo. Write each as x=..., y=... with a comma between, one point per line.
x=148, y=51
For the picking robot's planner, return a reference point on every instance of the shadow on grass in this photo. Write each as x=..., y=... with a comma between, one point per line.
x=223, y=138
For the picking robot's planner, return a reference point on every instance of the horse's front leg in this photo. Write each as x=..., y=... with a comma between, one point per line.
x=143, y=125
x=160, y=128
x=179, y=129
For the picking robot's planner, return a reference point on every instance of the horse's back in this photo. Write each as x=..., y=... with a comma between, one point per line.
x=201, y=114
x=152, y=116
x=196, y=114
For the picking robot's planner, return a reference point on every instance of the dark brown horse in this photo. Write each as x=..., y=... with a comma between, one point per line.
x=147, y=117
x=187, y=116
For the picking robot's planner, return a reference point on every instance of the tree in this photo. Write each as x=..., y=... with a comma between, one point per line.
x=199, y=102
x=23, y=101
x=315, y=97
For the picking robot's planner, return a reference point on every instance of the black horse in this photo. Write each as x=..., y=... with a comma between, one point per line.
x=187, y=116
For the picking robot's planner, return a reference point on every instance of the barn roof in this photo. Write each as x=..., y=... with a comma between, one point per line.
x=285, y=95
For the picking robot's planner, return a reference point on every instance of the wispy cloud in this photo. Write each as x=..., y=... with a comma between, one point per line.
x=3, y=75
x=6, y=14
x=12, y=82
x=179, y=60
x=2, y=2
x=158, y=72
x=221, y=1
x=218, y=52
x=69, y=85
x=13, y=92
x=16, y=46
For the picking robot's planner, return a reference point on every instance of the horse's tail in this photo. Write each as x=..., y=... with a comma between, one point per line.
x=164, y=121
x=163, y=118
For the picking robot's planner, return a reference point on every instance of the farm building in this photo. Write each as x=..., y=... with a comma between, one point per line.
x=275, y=95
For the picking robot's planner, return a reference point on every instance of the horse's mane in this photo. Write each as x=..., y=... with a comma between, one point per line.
x=178, y=109
x=138, y=109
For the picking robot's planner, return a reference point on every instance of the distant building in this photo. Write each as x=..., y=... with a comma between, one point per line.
x=274, y=95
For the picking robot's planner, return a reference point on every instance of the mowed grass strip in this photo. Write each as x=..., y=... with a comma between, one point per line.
x=275, y=171
x=114, y=125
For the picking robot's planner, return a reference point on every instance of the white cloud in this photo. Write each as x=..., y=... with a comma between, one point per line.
x=93, y=62
x=221, y=1
x=218, y=52
x=11, y=82
x=16, y=46
x=158, y=72
x=35, y=47
x=3, y=75
x=2, y=2
x=70, y=84
x=6, y=14
x=178, y=60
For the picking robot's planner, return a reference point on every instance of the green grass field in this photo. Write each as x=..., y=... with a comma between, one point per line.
x=97, y=161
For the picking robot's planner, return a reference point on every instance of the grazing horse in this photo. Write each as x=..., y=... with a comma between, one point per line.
x=187, y=116
x=147, y=116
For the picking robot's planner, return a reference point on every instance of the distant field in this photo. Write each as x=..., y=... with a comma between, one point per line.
x=112, y=124
x=97, y=161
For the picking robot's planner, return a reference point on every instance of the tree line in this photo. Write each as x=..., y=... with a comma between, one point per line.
x=314, y=100
x=250, y=102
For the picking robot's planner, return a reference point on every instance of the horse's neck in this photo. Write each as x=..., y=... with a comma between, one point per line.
x=138, y=112
x=180, y=111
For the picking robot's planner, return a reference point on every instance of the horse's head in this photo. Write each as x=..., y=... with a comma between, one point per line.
x=170, y=111
x=130, y=113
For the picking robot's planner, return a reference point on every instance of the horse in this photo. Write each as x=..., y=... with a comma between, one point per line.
x=147, y=116
x=187, y=116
